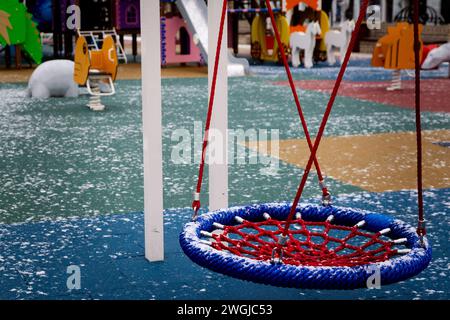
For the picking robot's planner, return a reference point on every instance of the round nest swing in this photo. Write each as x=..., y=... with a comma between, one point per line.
x=327, y=248
x=315, y=247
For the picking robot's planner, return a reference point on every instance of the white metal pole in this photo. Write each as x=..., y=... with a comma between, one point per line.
x=333, y=12
x=383, y=10
x=356, y=8
x=218, y=170
x=152, y=130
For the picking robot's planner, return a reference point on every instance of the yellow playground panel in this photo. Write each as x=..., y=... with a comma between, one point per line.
x=396, y=49
x=96, y=69
x=95, y=62
x=260, y=46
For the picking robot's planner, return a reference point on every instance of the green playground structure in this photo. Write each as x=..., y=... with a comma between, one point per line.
x=18, y=28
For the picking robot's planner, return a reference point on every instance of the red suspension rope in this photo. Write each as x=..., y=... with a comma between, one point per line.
x=421, y=231
x=312, y=159
x=323, y=124
x=325, y=193
x=196, y=203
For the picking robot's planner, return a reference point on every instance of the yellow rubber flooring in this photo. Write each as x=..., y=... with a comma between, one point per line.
x=378, y=162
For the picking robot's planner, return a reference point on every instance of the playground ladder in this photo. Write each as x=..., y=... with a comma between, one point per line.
x=95, y=38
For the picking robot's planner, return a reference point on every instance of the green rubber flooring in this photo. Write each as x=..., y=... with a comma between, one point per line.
x=59, y=159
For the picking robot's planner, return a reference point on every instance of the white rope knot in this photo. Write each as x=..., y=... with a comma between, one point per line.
x=326, y=200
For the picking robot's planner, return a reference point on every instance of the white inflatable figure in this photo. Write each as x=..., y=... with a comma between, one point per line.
x=53, y=79
x=339, y=39
x=437, y=56
x=304, y=41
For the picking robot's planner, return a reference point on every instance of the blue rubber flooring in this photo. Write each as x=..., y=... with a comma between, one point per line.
x=109, y=251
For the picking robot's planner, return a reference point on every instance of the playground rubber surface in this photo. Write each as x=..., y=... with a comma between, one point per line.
x=72, y=183
x=377, y=162
x=435, y=96
x=109, y=250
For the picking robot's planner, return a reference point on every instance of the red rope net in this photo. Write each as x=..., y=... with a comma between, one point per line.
x=309, y=243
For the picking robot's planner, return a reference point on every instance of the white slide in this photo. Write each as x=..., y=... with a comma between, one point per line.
x=437, y=56
x=195, y=12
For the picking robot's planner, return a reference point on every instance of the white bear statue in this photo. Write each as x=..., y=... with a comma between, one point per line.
x=53, y=79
